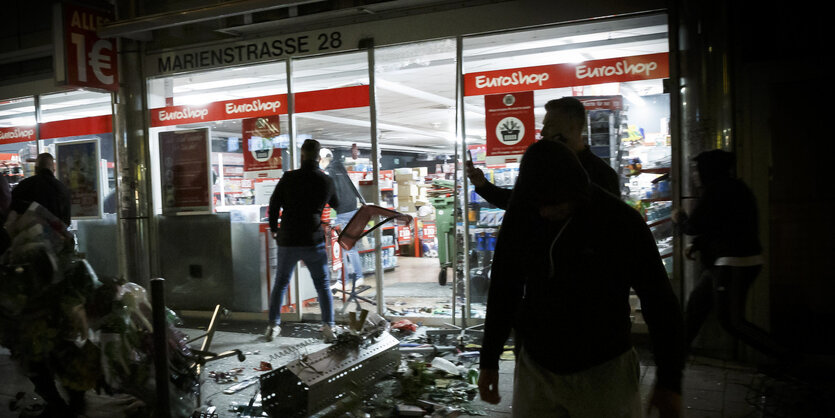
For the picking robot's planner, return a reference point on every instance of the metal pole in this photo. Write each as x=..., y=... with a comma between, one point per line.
x=291, y=125
x=163, y=403
x=465, y=183
x=375, y=164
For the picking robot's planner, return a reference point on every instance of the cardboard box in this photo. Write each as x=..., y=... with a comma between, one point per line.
x=407, y=189
x=410, y=176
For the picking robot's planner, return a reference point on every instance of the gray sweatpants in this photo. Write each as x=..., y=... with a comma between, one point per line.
x=607, y=390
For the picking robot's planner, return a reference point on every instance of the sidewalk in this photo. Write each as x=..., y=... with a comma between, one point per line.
x=712, y=388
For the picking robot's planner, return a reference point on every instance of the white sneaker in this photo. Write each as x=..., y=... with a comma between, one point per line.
x=328, y=334
x=272, y=332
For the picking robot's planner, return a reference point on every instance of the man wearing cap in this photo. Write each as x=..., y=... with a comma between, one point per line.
x=564, y=121
x=298, y=200
x=567, y=255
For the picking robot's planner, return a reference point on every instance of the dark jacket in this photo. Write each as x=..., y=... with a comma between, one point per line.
x=299, y=198
x=45, y=189
x=599, y=172
x=346, y=192
x=724, y=221
x=564, y=287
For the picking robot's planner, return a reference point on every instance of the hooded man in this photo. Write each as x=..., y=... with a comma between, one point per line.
x=568, y=253
x=725, y=227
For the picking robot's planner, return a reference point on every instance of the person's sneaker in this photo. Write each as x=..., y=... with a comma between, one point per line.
x=272, y=332
x=327, y=334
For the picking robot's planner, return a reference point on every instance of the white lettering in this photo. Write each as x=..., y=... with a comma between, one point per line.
x=254, y=106
x=515, y=79
x=620, y=68
x=17, y=133
x=185, y=113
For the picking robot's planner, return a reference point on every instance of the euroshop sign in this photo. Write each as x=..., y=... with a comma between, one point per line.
x=614, y=70
x=256, y=107
x=82, y=59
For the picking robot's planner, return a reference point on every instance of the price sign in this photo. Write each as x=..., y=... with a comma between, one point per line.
x=404, y=234
x=82, y=58
x=428, y=231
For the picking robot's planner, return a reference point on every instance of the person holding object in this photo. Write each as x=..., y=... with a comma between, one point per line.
x=570, y=251
x=349, y=200
x=298, y=200
x=43, y=188
x=564, y=121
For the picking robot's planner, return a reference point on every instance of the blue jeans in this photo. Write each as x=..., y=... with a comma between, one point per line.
x=316, y=259
x=353, y=254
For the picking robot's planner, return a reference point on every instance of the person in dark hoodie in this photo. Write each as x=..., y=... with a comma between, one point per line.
x=43, y=188
x=568, y=253
x=564, y=121
x=725, y=230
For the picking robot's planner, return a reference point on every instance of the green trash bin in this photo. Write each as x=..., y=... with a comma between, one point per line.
x=445, y=229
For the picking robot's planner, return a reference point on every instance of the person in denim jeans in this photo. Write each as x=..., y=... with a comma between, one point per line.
x=298, y=200
x=349, y=199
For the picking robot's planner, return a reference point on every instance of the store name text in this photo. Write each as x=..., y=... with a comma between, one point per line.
x=186, y=113
x=514, y=79
x=621, y=68
x=255, y=106
x=256, y=51
x=17, y=133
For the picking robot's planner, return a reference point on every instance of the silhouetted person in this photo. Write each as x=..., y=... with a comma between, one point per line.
x=567, y=254
x=724, y=224
x=43, y=188
x=564, y=121
x=298, y=199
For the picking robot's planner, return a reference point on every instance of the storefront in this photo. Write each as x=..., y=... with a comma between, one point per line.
x=401, y=102
x=400, y=112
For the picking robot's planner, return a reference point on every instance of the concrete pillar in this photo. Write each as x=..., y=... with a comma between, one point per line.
x=133, y=181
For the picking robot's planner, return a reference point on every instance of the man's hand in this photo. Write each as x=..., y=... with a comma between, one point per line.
x=488, y=386
x=665, y=401
x=475, y=175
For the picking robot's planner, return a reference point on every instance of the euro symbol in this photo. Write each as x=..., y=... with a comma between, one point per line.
x=100, y=61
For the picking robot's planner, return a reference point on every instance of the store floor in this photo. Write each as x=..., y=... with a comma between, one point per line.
x=412, y=289
x=712, y=388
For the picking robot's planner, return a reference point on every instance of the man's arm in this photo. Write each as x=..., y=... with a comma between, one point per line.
x=503, y=300
x=659, y=306
x=493, y=194
x=275, y=206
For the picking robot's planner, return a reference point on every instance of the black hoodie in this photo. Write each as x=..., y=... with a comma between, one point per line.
x=564, y=287
x=724, y=221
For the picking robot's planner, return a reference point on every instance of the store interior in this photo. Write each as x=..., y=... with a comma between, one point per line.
x=420, y=147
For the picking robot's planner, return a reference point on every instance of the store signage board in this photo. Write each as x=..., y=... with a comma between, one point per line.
x=510, y=123
x=254, y=107
x=614, y=70
x=13, y=134
x=260, y=144
x=186, y=172
x=82, y=58
x=93, y=125
x=602, y=103
x=77, y=166
x=253, y=51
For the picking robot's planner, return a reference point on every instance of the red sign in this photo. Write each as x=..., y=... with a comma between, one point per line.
x=255, y=107
x=260, y=152
x=14, y=134
x=224, y=110
x=510, y=123
x=90, y=61
x=77, y=127
x=404, y=234
x=336, y=251
x=614, y=70
x=428, y=231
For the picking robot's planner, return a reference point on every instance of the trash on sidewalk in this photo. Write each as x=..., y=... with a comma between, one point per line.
x=263, y=367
